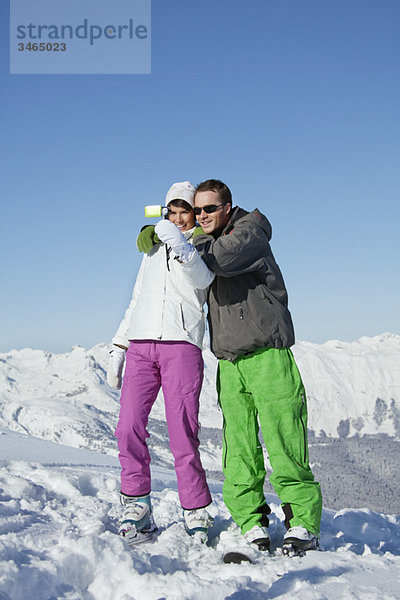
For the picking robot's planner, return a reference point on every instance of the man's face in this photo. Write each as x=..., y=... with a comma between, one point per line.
x=215, y=221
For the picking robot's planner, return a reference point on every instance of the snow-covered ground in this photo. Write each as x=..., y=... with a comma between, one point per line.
x=58, y=523
x=60, y=481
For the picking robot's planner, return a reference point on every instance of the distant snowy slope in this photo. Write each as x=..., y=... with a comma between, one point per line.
x=59, y=397
x=65, y=397
x=352, y=388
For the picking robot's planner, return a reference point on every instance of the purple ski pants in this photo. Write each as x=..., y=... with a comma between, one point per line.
x=177, y=367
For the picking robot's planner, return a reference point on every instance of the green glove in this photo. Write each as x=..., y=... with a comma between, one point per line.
x=198, y=231
x=146, y=239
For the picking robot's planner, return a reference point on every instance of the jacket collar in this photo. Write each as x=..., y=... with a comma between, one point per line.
x=236, y=214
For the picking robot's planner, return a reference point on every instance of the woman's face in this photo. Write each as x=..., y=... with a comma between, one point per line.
x=184, y=219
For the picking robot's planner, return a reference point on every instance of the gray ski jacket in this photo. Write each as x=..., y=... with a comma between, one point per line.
x=247, y=301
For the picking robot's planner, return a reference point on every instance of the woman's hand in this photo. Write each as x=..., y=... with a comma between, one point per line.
x=116, y=364
x=171, y=236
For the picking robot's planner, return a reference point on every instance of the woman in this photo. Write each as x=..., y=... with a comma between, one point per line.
x=161, y=335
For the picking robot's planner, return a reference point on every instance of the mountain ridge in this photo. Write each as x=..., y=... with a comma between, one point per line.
x=353, y=389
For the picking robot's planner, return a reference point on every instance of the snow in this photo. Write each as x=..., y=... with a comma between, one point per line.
x=60, y=481
x=359, y=382
x=58, y=540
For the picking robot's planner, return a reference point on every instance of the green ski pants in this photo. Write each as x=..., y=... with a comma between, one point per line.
x=265, y=389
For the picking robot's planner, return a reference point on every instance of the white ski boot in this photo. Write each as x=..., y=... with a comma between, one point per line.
x=297, y=540
x=246, y=547
x=136, y=523
x=197, y=522
x=259, y=537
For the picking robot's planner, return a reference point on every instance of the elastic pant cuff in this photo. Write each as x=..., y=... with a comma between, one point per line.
x=197, y=507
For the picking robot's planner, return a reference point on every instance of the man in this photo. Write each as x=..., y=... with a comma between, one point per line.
x=251, y=333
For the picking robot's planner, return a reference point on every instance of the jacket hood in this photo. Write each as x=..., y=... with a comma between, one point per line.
x=252, y=217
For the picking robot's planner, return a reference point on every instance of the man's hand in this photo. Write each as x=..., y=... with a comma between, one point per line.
x=116, y=364
x=170, y=235
x=146, y=239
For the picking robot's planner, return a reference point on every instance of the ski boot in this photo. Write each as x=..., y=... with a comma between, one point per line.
x=297, y=540
x=136, y=524
x=249, y=546
x=197, y=522
x=259, y=537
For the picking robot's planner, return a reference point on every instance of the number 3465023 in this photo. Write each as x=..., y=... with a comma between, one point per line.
x=42, y=47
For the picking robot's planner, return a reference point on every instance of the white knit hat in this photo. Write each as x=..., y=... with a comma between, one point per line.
x=182, y=190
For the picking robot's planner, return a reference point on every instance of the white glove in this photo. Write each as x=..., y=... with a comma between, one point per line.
x=170, y=235
x=116, y=364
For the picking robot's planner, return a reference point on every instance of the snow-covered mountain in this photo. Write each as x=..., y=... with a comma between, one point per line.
x=353, y=388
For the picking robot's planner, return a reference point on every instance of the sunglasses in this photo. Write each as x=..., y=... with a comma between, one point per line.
x=209, y=209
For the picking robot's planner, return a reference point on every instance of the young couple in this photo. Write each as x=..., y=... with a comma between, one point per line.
x=228, y=262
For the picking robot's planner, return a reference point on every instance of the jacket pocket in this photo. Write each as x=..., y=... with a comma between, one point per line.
x=182, y=317
x=192, y=322
x=261, y=320
x=262, y=291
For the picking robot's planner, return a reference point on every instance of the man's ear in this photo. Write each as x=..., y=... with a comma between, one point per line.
x=227, y=208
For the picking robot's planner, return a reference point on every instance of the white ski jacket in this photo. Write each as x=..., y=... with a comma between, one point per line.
x=168, y=299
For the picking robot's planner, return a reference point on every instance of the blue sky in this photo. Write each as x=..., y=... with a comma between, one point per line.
x=293, y=103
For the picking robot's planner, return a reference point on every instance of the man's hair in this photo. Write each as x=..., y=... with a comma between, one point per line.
x=215, y=185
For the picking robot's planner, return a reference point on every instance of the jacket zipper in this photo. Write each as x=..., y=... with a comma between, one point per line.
x=159, y=337
x=303, y=402
x=167, y=253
